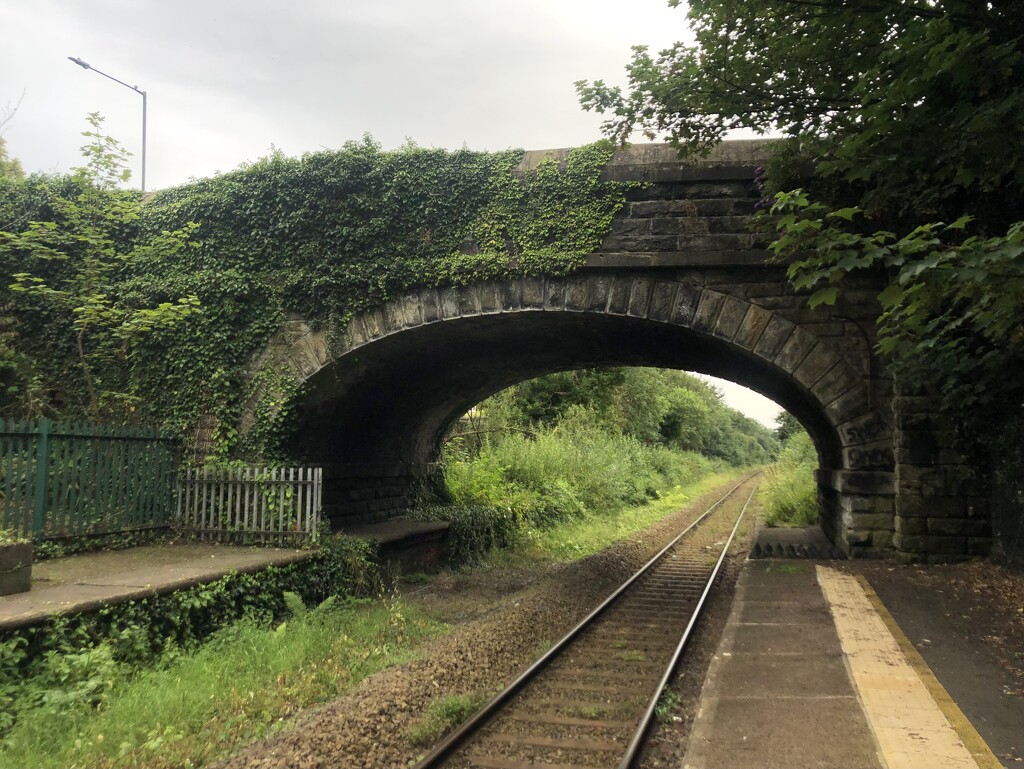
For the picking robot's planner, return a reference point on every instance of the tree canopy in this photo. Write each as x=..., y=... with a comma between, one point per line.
x=654, y=406
x=904, y=159
x=912, y=104
x=10, y=168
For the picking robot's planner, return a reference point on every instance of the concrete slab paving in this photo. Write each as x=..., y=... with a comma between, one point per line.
x=770, y=675
x=759, y=611
x=782, y=734
x=787, y=639
x=813, y=676
x=89, y=581
x=777, y=693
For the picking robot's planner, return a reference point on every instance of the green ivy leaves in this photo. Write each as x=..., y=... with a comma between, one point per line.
x=950, y=303
x=324, y=236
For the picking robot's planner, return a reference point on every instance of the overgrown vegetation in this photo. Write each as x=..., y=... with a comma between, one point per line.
x=570, y=540
x=88, y=709
x=443, y=715
x=789, y=494
x=58, y=660
x=153, y=310
x=668, y=706
x=583, y=446
x=904, y=165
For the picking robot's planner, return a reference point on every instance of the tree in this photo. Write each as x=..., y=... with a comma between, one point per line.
x=10, y=168
x=687, y=421
x=73, y=263
x=913, y=103
x=905, y=121
x=654, y=406
x=788, y=425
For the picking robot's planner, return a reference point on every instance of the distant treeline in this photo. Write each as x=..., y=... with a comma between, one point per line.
x=584, y=443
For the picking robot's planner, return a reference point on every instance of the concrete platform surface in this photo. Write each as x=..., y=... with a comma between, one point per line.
x=91, y=580
x=809, y=673
x=397, y=529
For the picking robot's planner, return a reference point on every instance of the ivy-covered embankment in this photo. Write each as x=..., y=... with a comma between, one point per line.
x=154, y=310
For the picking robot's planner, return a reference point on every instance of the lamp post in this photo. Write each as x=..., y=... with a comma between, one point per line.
x=86, y=65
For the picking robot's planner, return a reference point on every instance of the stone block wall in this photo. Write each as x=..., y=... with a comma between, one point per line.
x=366, y=498
x=679, y=267
x=942, y=510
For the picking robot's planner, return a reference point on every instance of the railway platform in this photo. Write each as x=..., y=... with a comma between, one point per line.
x=813, y=671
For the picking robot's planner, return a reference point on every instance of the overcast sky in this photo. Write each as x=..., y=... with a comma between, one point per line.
x=228, y=80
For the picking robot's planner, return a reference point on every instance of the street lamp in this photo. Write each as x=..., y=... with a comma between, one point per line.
x=86, y=65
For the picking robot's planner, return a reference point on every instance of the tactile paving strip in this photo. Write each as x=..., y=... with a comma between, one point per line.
x=911, y=730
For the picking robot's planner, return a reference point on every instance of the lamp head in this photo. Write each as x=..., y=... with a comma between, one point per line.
x=79, y=62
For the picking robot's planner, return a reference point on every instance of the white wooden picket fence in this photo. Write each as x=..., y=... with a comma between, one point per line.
x=250, y=503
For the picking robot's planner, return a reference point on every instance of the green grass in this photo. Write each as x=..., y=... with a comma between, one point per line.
x=202, y=706
x=573, y=539
x=788, y=493
x=668, y=703
x=790, y=568
x=443, y=715
x=594, y=712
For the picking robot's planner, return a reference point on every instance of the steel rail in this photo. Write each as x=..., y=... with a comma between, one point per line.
x=455, y=739
x=633, y=751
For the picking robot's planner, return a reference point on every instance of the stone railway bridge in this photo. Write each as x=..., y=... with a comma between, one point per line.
x=678, y=283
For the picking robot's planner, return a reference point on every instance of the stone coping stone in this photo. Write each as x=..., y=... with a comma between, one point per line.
x=397, y=530
x=779, y=542
x=731, y=153
x=95, y=591
x=15, y=556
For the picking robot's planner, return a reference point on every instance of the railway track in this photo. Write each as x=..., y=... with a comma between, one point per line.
x=589, y=701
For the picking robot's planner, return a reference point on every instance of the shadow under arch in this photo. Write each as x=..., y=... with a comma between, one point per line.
x=376, y=409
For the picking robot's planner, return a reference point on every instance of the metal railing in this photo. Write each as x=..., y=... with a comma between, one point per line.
x=64, y=479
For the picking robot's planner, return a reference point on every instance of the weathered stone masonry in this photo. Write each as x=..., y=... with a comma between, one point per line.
x=679, y=282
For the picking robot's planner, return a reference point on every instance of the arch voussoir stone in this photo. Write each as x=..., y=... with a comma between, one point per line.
x=618, y=295
x=430, y=305
x=576, y=293
x=640, y=297
x=751, y=327
x=805, y=365
x=730, y=315
x=511, y=295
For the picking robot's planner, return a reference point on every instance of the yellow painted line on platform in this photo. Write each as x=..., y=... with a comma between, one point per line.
x=911, y=729
x=973, y=741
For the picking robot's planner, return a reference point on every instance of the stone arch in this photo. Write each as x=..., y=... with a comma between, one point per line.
x=381, y=397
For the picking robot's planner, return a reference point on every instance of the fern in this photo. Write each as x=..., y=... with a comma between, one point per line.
x=326, y=605
x=294, y=604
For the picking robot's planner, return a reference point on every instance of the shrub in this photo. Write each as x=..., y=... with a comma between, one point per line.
x=84, y=654
x=573, y=468
x=788, y=492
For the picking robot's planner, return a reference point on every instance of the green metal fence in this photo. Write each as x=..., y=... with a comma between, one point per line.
x=63, y=479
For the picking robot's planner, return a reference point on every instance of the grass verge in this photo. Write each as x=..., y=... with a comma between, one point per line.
x=443, y=716
x=576, y=538
x=789, y=493
x=200, y=707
